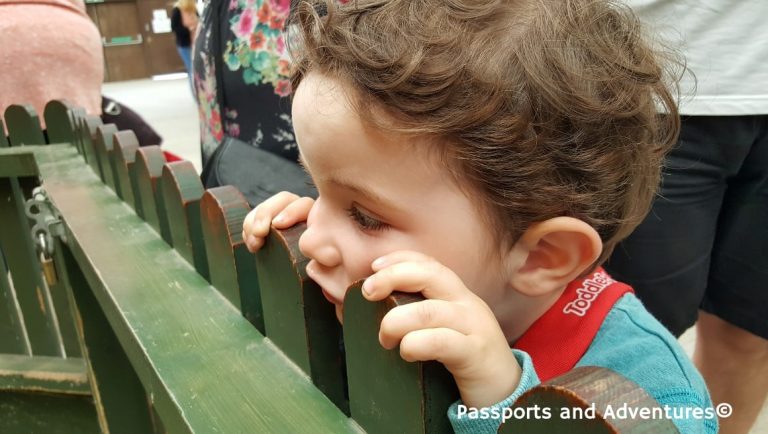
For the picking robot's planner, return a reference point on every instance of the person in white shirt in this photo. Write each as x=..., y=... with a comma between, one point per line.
x=701, y=255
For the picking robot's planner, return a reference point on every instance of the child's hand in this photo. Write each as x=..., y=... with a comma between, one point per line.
x=282, y=210
x=453, y=326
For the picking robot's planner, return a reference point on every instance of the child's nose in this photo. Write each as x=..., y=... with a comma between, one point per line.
x=316, y=245
x=317, y=241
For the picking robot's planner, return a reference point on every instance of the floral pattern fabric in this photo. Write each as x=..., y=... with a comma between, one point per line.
x=255, y=73
x=259, y=48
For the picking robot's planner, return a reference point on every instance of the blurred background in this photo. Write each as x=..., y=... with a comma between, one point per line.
x=143, y=70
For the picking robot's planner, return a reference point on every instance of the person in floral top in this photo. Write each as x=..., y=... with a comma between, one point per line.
x=255, y=74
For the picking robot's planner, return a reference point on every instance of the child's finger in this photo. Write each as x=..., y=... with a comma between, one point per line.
x=399, y=256
x=431, y=278
x=257, y=223
x=445, y=345
x=294, y=212
x=252, y=242
x=248, y=221
x=425, y=314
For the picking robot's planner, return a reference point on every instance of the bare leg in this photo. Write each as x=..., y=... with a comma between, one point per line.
x=734, y=364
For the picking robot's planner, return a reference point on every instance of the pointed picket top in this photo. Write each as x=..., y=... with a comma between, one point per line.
x=124, y=145
x=182, y=191
x=147, y=169
x=418, y=393
x=23, y=125
x=58, y=121
x=297, y=317
x=103, y=146
x=232, y=268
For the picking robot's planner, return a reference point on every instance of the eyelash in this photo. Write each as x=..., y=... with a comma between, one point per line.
x=365, y=222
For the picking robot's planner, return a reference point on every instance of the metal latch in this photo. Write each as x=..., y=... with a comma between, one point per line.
x=47, y=225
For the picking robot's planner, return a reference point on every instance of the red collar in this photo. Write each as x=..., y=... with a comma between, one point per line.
x=560, y=337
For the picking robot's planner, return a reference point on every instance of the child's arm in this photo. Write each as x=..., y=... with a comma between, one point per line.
x=453, y=326
x=462, y=423
x=282, y=211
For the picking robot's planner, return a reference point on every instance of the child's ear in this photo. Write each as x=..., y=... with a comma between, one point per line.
x=552, y=253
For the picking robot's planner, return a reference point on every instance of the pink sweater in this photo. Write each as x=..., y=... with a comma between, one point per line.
x=49, y=49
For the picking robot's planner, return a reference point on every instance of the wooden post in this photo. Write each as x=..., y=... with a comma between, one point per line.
x=103, y=146
x=31, y=292
x=23, y=126
x=232, y=268
x=386, y=393
x=124, y=156
x=147, y=170
x=296, y=315
x=582, y=388
x=120, y=399
x=59, y=122
x=89, y=128
x=182, y=191
x=78, y=136
x=3, y=137
x=13, y=337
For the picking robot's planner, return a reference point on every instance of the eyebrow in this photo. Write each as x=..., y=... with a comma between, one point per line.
x=369, y=194
x=349, y=184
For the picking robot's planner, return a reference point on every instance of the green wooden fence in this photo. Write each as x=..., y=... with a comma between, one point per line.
x=161, y=321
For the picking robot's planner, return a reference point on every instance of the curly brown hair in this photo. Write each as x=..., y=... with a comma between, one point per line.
x=544, y=108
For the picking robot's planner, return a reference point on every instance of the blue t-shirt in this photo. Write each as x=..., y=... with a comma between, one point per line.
x=633, y=343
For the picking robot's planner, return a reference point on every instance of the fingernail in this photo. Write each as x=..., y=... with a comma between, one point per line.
x=279, y=219
x=250, y=241
x=378, y=263
x=367, y=286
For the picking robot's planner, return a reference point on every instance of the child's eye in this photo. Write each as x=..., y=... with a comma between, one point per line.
x=365, y=222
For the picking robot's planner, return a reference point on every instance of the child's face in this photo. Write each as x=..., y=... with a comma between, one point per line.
x=379, y=194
